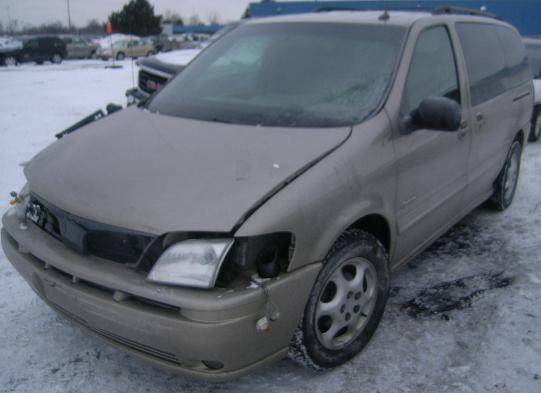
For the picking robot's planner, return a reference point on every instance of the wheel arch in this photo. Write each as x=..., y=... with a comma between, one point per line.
x=520, y=137
x=378, y=226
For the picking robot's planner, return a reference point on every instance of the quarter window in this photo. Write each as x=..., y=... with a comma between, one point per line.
x=518, y=69
x=433, y=71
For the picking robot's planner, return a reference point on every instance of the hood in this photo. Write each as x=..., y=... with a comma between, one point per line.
x=155, y=64
x=153, y=173
x=178, y=57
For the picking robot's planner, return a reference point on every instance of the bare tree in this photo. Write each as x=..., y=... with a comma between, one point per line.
x=195, y=20
x=13, y=26
x=214, y=18
x=173, y=16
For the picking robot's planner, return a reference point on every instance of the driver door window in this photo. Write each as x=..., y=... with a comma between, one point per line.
x=432, y=71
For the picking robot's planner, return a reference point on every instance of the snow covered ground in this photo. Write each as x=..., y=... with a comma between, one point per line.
x=465, y=316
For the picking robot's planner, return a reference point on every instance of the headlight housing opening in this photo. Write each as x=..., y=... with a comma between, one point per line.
x=214, y=260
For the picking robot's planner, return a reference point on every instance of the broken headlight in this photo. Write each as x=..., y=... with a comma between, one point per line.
x=215, y=260
x=192, y=263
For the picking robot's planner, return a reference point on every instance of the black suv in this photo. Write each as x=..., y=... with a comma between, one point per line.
x=38, y=49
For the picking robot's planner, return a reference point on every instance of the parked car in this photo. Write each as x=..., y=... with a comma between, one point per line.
x=128, y=48
x=164, y=43
x=37, y=50
x=245, y=211
x=533, y=51
x=7, y=46
x=156, y=71
x=80, y=48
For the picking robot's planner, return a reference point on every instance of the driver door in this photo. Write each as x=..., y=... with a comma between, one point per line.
x=431, y=165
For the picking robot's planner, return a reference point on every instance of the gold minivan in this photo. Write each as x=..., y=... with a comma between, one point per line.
x=256, y=206
x=128, y=48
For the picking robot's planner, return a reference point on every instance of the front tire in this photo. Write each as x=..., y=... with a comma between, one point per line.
x=10, y=61
x=535, y=132
x=346, y=303
x=120, y=56
x=505, y=185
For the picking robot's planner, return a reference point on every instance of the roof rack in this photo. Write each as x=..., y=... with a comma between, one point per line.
x=330, y=9
x=463, y=11
x=441, y=10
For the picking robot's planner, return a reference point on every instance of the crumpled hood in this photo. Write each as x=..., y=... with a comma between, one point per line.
x=156, y=174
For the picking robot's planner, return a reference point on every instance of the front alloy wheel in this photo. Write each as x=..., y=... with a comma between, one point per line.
x=346, y=302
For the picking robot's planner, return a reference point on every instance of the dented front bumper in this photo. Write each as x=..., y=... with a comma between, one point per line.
x=203, y=333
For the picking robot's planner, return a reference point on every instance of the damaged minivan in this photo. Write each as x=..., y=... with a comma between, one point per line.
x=256, y=206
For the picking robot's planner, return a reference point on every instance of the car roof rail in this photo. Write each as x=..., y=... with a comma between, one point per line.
x=331, y=8
x=448, y=10
x=440, y=10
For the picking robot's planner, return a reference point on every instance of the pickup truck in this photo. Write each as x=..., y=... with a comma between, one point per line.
x=156, y=71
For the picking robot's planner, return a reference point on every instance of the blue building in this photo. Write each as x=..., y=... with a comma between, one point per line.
x=196, y=29
x=525, y=15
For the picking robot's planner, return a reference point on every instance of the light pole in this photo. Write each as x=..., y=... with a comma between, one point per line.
x=69, y=15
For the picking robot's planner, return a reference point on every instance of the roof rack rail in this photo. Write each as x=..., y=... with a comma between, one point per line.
x=330, y=8
x=440, y=10
x=463, y=11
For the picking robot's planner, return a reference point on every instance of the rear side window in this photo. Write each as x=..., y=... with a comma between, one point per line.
x=517, y=66
x=533, y=51
x=32, y=44
x=432, y=72
x=495, y=59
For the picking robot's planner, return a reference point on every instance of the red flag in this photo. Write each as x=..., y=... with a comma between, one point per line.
x=109, y=28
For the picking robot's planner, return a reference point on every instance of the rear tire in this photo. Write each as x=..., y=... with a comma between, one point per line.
x=505, y=185
x=535, y=132
x=56, y=58
x=346, y=303
x=120, y=56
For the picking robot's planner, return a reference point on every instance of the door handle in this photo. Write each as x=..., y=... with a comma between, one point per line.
x=462, y=134
x=479, y=117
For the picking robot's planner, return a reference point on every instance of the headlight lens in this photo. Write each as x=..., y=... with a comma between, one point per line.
x=193, y=263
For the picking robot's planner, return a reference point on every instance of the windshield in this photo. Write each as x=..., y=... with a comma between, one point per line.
x=287, y=75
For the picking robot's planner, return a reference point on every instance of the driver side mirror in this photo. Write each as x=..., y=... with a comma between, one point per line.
x=434, y=113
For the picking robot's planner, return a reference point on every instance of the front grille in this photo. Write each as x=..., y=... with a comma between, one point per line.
x=89, y=237
x=122, y=341
x=157, y=353
x=149, y=82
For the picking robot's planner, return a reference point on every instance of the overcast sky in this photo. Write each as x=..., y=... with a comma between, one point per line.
x=39, y=11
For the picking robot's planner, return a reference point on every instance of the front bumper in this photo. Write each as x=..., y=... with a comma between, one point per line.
x=179, y=329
